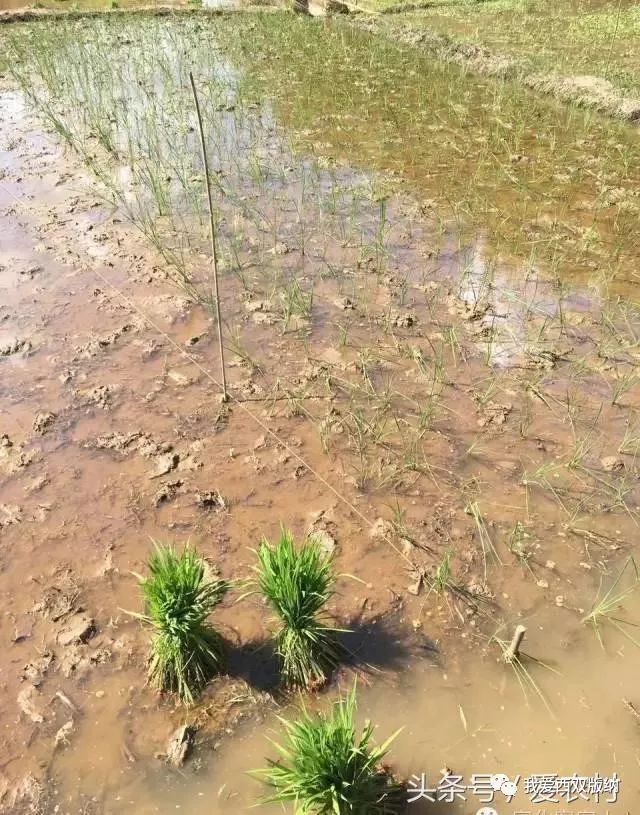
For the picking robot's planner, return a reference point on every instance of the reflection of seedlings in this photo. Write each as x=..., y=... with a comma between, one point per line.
x=451, y=336
x=236, y=346
x=540, y=478
x=608, y=605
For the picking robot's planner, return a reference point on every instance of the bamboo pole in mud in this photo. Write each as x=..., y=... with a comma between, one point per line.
x=212, y=235
x=513, y=650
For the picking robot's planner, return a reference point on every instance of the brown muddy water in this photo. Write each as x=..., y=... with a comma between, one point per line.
x=461, y=398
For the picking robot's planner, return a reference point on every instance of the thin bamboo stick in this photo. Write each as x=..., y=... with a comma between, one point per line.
x=212, y=235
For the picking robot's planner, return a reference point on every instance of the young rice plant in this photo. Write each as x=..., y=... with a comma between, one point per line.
x=297, y=582
x=328, y=768
x=179, y=596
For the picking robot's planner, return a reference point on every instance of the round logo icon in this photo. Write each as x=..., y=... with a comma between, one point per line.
x=498, y=780
x=509, y=788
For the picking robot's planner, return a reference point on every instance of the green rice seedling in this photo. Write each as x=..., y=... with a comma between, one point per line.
x=581, y=450
x=179, y=596
x=297, y=582
x=630, y=444
x=327, y=767
x=519, y=543
x=488, y=548
x=622, y=384
x=607, y=606
x=343, y=331
x=441, y=579
x=295, y=303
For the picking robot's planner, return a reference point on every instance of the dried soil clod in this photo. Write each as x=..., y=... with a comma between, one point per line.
x=164, y=464
x=211, y=499
x=43, y=421
x=27, y=702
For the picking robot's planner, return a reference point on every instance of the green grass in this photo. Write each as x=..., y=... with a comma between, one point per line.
x=185, y=650
x=328, y=768
x=297, y=582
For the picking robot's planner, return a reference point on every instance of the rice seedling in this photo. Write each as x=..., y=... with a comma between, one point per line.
x=179, y=597
x=239, y=349
x=441, y=579
x=295, y=303
x=519, y=544
x=607, y=606
x=630, y=444
x=581, y=450
x=623, y=384
x=327, y=767
x=298, y=583
x=488, y=548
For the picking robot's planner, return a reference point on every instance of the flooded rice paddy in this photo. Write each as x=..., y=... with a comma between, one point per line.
x=431, y=331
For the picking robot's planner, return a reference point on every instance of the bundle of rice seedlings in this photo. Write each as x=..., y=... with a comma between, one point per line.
x=328, y=768
x=179, y=597
x=297, y=582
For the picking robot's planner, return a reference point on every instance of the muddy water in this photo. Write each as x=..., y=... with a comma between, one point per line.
x=471, y=716
x=520, y=424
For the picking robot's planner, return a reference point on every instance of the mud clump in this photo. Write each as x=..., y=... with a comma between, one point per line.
x=167, y=492
x=101, y=396
x=587, y=91
x=180, y=745
x=59, y=600
x=15, y=347
x=28, y=702
x=97, y=344
x=127, y=443
x=164, y=464
x=78, y=630
x=43, y=422
x=494, y=414
x=211, y=500
x=36, y=670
